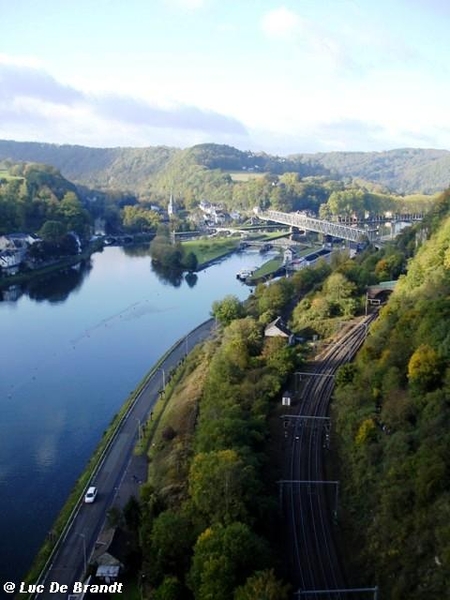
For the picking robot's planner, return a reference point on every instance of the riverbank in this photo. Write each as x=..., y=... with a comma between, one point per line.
x=78, y=344
x=49, y=269
x=140, y=402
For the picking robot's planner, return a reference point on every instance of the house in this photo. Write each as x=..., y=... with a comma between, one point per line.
x=112, y=547
x=289, y=255
x=10, y=261
x=278, y=328
x=17, y=241
x=13, y=248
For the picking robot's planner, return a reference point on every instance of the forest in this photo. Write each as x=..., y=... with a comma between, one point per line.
x=392, y=415
x=32, y=194
x=401, y=171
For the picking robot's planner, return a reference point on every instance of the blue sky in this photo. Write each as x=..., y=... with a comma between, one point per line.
x=281, y=77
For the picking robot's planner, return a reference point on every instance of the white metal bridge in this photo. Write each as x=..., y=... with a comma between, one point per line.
x=302, y=221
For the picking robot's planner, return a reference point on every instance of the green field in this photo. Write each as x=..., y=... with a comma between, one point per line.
x=4, y=174
x=211, y=248
x=267, y=269
x=243, y=175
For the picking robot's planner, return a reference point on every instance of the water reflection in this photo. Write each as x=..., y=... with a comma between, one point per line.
x=60, y=285
x=191, y=279
x=172, y=277
x=55, y=287
x=136, y=251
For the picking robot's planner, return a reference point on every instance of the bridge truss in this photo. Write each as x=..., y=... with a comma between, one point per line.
x=338, y=230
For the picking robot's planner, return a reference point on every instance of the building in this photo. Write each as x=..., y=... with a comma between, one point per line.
x=289, y=255
x=10, y=261
x=286, y=398
x=278, y=328
x=171, y=208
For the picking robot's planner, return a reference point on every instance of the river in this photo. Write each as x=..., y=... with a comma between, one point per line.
x=72, y=349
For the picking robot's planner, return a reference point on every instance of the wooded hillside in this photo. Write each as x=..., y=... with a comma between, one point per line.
x=392, y=415
x=403, y=170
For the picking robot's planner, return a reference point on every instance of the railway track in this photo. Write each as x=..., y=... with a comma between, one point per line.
x=306, y=498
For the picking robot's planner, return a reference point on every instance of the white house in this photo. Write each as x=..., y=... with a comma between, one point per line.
x=289, y=255
x=278, y=328
x=10, y=261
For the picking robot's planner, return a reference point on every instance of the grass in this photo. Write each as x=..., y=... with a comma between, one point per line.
x=4, y=174
x=169, y=459
x=210, y=249
x=267, y=268
x=244, y=175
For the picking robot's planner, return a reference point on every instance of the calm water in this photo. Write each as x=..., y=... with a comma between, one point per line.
x=71, y=351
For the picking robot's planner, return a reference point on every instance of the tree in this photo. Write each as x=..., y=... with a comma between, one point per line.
x=132, y=514
x=139, y=218
x=217, y=485
x=263, y=585
x=52, y=231
x=72, y=213
x=227, y=310
x=170, y=589
x=223, y=558
x=190, y=261
x=337, y=287
x=170, y=544
x=242, y=341
x=424, y=367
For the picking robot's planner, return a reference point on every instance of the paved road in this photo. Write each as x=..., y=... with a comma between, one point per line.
x=112, y=478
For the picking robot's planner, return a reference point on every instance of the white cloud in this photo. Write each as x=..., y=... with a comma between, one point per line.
x=281, y=23
x=20, y=61
x=312, y=43
x=33, y=101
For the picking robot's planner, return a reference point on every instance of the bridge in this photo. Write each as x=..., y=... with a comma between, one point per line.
x=302, y=221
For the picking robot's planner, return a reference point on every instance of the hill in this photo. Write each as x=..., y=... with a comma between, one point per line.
x=392, y=415
x=143, y=169
x=113, y=168
x=406, y=170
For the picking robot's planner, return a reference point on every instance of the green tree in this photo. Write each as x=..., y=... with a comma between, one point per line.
x=170, y=589
x=73, y=215
x=263, y=585
x=171, y=541
x=219, y=485
x=424, y=367
x=227, y=310
x=223, y=558
x=190, y=261
x=139, y=218
x=52, y=231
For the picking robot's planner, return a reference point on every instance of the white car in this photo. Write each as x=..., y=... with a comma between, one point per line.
x=91, y=495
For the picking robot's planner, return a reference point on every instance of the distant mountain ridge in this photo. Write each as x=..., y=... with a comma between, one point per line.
x=406, y=170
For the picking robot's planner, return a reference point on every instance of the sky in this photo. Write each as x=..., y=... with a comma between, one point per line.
x=281, y=77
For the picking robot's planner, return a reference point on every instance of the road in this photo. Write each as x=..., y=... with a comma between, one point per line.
x=68, y=564
x=309, y=502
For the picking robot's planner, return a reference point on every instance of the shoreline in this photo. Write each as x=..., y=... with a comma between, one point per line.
x=42, y=272
x=69, y=511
